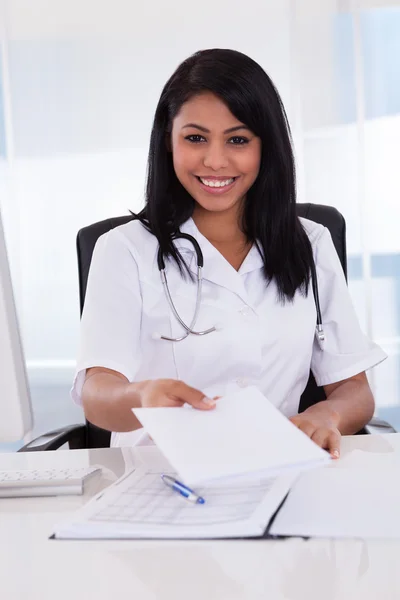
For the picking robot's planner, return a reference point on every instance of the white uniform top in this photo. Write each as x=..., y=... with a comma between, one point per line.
x=261, y=342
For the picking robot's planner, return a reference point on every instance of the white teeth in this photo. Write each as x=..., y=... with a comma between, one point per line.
x=216, y=183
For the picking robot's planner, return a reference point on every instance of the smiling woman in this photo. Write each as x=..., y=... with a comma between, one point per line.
x=221, y=179
x=220, y=116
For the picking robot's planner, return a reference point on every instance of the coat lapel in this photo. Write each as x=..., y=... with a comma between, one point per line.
x=216, y=268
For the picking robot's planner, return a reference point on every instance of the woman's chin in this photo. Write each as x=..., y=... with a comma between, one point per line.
x=216, y=204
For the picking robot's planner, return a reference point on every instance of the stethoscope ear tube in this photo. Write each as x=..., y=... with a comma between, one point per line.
x=188, y=329
x=195, y=244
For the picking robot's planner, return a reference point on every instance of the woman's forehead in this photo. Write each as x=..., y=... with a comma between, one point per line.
x=208, y=110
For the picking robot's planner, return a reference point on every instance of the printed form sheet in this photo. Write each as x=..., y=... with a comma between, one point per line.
x=140, y=505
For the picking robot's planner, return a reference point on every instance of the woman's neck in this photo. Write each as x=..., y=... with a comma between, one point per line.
x=219, y=228
x=223, y=232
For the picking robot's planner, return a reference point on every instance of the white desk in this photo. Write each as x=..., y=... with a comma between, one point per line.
x=34, y=567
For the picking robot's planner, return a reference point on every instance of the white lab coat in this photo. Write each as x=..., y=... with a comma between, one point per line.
x=260, y=341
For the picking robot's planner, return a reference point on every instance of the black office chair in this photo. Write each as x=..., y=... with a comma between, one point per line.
x=88, y=435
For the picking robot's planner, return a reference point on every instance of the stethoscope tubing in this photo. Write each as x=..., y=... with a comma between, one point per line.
x=200, y=263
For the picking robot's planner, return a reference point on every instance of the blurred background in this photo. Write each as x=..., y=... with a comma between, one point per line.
x=79, y=82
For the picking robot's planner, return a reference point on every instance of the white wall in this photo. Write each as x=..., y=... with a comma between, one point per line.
x=84, y=80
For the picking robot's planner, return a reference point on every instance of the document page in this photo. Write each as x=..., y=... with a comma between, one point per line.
x=340, y=502
x=140, y=505
x=244, y=435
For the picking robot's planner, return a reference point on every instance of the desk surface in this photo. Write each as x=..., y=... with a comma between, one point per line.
x=34, y=567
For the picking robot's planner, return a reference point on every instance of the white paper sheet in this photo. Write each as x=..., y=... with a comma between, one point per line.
x=140, y=505
x=343, y=503
x=244, y=435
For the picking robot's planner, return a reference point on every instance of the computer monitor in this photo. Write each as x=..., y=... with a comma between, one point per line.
x=16, y=418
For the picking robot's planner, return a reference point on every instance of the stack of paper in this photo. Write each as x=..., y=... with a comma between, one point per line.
x=245, y=436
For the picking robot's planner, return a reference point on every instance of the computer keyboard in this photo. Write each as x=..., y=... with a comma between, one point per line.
x=44, y=482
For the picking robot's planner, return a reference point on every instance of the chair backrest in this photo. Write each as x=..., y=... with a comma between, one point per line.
x=88, y=236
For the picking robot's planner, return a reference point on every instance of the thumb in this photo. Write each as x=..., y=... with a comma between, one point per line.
x=333, y=445
x=191, y=396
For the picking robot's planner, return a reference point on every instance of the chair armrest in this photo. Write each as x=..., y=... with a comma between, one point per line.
x=379, y=426
x=73, y=435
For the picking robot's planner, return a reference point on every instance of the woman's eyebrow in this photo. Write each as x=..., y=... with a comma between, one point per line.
x=205, y=130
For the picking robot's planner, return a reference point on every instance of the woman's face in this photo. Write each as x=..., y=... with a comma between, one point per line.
x=216, y=157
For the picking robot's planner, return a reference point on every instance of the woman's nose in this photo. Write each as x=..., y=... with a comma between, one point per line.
x=215, y=157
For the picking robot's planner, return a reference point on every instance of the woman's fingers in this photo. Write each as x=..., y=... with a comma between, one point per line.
x=328, y=439
x=171, y=392
x=191, y=396
x=325, y=437
x=305, y=426
x=333, y=444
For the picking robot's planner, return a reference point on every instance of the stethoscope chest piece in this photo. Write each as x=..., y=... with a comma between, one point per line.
x=320, y=336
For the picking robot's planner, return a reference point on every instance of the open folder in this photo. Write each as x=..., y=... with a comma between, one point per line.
x=242, y=457
x=139, y=505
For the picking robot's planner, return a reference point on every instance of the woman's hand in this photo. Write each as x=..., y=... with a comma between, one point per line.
x=171, y=392
x=320, y=423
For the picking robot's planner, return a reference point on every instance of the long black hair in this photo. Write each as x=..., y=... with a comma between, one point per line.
x=269, y=215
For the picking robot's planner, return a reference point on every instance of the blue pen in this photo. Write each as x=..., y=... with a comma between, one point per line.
x=182, y=489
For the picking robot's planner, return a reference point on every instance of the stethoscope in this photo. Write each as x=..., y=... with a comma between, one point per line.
x=189, y=329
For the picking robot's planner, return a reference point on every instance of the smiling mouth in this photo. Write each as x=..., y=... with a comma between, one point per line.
x=217, y=183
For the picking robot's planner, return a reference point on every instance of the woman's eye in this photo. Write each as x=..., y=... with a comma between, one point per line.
x=238, y=140
x=195, y=138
